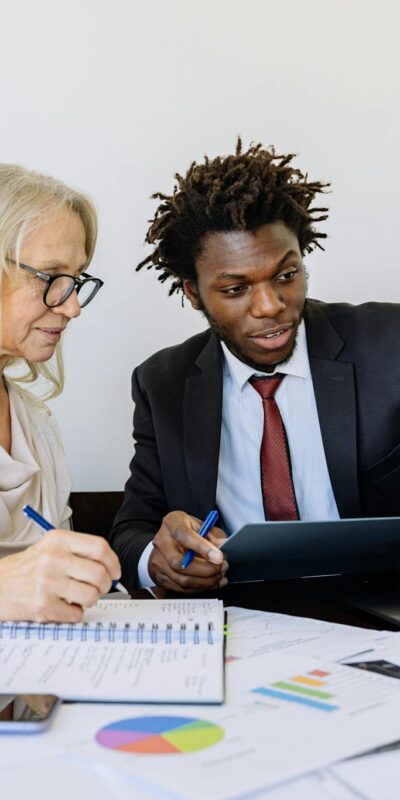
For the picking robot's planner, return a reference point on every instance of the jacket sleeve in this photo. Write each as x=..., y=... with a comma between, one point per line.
x=144, y=504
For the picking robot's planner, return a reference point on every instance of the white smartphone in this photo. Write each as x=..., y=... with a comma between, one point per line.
x=27, y=713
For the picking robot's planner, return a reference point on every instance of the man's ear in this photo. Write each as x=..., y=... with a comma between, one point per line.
x=190, y=289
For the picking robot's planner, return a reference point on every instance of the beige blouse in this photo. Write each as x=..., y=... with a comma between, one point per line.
x=35, y=473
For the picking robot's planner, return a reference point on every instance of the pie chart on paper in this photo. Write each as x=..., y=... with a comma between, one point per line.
x=160, y=735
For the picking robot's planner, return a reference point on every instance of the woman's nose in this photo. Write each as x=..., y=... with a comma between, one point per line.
x=70, y=307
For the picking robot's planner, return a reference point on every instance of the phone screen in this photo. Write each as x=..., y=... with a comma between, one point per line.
x=26, y=710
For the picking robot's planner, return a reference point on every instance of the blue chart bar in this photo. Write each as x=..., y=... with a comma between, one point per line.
x=291, y=698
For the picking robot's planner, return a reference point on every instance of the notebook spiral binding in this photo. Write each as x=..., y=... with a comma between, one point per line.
x=85, y=632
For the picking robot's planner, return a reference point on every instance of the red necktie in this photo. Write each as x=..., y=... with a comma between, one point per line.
x=277, y=486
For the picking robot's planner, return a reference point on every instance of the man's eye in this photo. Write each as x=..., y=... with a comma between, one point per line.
x=287, y=276
x=232, y=290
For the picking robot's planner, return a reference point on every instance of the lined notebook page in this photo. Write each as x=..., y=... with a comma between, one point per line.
x=138, y=650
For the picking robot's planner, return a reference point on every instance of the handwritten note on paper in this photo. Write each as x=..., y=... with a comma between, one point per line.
x=150, y=654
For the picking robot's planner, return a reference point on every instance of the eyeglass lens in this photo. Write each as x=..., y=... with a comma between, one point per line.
x=62, y=287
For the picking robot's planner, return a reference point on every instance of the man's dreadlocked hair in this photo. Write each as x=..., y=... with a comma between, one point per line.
x=238, y=192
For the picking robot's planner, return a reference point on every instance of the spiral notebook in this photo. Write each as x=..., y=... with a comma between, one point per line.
x=161, y=651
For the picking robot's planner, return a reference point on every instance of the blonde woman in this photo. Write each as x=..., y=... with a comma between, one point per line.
x=47, y=237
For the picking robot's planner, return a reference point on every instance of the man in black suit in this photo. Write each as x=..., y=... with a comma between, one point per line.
x=232, y=237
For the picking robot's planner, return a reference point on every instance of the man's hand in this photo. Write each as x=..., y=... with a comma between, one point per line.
x=178, y=533
x=56, y=578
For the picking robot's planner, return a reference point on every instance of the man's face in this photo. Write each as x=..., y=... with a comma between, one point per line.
x=251, y=286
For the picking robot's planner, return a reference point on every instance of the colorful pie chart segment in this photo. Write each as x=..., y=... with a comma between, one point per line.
x=160, y=735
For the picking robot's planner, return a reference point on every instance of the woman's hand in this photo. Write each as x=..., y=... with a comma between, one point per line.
x=56, y=578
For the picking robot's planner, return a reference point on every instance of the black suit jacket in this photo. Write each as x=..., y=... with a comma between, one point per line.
x=354, y=354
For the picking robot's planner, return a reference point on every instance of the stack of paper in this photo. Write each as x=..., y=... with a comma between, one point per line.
x=298, y=699
x=301, y=696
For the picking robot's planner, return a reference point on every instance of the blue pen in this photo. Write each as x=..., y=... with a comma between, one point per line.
x=47, y=526
x=208, y=523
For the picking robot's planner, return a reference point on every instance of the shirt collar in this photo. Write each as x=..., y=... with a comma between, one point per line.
x=298, y=364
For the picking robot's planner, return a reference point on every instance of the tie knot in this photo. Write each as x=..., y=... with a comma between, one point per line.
x=266, y=387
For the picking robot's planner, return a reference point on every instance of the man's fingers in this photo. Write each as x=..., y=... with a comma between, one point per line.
x=186, y=580
x=193, y=584
x=186, y=583
x=216, y=537
x=199, y=567
x=172, y=555
x=177, y=534
x=189, y=540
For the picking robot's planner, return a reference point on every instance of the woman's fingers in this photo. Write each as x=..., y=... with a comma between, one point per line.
x=78, y=593
x=89, y=572
x=93, y=548
x=56, y=578
x=56, y=610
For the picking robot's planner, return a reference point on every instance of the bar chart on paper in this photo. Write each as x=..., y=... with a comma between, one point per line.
x=164, y=735
x=339, y=688
x=311, y=689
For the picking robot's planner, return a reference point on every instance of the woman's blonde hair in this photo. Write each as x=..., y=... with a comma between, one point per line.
x=27, y=200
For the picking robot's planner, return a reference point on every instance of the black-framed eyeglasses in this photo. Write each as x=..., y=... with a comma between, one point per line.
x=60, y=287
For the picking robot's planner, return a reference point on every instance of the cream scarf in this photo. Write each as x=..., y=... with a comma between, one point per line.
x=35, y=472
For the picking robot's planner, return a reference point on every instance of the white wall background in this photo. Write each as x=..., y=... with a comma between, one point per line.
x=115, y=96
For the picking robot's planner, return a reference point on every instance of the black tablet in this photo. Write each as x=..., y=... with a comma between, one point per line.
x=280, y=550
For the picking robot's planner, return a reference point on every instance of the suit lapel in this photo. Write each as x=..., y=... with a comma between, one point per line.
x=335, y=395
x=202, y=412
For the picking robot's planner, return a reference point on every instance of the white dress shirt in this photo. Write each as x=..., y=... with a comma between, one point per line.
x=239, y=490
